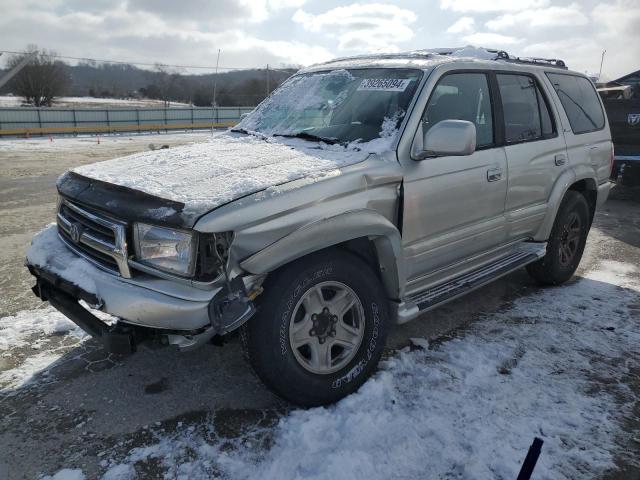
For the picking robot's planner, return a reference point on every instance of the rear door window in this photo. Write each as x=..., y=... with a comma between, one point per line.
x=526, y=113
x=580, y=101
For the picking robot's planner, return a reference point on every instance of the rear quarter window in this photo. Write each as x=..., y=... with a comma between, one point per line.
x=580, y=102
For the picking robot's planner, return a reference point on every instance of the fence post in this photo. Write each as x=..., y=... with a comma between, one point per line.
x=192, y=122
x=108, y=119
x=39, y=120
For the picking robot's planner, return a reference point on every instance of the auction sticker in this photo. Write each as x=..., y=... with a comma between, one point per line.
x=385, y=84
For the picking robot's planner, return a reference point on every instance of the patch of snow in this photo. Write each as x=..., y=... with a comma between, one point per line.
x=16, y=330
x=25, y=373
x=420, y=342
x=74, y=143
x=161, y=212
x=120, y=472
x=67, y=474
x=467, y=408
x=47, y=250
x=206, y=175
x=9, y=101
x=473, y=52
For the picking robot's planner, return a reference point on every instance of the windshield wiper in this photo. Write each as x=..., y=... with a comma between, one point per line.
x=308, y=136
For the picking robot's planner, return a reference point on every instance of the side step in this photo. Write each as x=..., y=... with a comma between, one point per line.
x=434, y=296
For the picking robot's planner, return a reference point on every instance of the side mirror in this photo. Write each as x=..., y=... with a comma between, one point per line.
x=445, y=138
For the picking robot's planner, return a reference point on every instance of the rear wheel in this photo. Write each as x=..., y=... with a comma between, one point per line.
x=320, y=330
x=566, y=242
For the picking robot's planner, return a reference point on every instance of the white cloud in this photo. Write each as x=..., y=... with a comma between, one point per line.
x=491, y=6
x=373, y=26
x=463, y=25
x=571, y=15
x=491, y=40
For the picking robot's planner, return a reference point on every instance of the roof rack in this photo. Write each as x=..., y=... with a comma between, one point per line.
x=504, y=56
x=479, y=52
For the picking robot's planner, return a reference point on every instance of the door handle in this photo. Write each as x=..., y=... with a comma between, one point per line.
x=560, y=159
x=494, y=174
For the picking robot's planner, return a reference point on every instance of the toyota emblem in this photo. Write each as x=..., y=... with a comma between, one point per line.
x=75, y=231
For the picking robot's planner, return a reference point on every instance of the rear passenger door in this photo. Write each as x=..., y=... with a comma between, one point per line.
x=536, y=153
x=588, y=141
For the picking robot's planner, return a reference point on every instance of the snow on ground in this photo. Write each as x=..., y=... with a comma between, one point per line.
x=18, y=330
x=465, y=408
x=59, y=143
x=8, y=101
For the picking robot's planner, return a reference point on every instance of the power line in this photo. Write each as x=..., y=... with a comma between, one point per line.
x=155, y=64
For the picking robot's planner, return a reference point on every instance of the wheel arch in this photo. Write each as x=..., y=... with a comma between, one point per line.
x=582, y=183
x=365, y=233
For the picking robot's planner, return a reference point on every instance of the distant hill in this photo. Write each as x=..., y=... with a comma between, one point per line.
x=235, y=88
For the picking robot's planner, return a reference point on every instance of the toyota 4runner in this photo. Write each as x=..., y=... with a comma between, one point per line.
x=363, y=192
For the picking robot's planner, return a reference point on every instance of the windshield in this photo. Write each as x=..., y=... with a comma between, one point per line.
x=339, y=106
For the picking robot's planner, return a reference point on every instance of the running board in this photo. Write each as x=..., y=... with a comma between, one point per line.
x=434, y=296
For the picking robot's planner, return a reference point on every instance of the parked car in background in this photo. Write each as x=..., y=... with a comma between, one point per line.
x=622, y=103
x=362, y=193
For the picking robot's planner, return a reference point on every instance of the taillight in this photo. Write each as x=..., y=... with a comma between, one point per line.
x=613, y=158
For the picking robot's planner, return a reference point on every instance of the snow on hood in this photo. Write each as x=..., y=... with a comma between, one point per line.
x=228, y=166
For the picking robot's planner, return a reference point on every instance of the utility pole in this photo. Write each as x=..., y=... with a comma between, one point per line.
x=215, y=81
x=14, y=71
x=268, y=89
x=601, y=62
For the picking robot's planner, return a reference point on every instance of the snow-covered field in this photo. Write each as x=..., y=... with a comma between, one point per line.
x=466, y=407
x=91, y=102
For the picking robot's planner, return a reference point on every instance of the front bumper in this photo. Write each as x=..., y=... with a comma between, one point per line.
x=146, y=307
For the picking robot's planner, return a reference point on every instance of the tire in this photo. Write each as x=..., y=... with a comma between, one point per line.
x=566, y=242
x=309, y=375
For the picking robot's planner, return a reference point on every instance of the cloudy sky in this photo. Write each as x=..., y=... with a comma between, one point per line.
x=252, y=33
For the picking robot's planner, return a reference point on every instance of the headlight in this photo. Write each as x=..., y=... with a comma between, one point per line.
x=164, y=248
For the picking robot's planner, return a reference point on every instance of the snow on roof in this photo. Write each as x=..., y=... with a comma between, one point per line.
x=427, y=58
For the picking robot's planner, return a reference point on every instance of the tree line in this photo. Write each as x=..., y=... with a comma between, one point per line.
x=45, y=77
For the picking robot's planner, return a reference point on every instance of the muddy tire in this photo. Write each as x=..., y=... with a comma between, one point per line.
x=566, y=242
x=320, y=329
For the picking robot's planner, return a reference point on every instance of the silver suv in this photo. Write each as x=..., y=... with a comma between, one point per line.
x=362, y=193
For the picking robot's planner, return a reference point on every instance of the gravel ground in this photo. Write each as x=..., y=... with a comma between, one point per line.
x=84, y=402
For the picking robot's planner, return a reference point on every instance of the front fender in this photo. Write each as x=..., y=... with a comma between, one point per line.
x=333, y=231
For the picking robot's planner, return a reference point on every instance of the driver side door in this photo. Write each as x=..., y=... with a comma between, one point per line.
x=454, y=205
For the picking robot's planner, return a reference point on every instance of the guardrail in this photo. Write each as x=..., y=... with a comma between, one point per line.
x=45, y=121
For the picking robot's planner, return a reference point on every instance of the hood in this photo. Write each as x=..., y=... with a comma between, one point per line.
x=181, y=184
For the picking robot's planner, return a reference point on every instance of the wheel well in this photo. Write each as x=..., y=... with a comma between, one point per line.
x=589, y=191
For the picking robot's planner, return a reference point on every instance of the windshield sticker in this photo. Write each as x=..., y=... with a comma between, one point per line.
x=385, y=84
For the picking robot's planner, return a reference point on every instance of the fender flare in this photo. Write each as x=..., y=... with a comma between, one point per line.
x=332, y=231
x=560, y=188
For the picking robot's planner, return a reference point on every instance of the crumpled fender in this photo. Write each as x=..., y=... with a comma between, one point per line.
x=332, y=231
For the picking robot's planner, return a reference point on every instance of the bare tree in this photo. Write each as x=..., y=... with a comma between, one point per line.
x=41, y=80
x=167, y=79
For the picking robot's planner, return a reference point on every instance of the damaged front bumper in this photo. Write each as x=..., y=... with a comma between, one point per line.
x=147, y=308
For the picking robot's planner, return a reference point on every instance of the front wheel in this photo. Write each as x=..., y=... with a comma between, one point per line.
x=320, y=330
x=566, y=242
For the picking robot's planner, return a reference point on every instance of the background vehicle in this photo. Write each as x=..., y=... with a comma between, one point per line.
x=363, y=192
x=621, y=100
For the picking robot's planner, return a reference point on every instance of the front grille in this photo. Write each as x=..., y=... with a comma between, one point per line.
x=95, y=237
